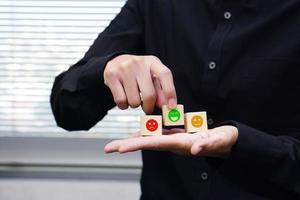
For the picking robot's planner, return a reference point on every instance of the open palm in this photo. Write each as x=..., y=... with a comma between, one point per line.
x=215, y=142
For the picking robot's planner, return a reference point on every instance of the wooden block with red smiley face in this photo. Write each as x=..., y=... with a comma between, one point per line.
x=151, y=125
x=195, y=122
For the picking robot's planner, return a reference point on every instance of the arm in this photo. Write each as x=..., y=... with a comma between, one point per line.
x=79, y=97
x=275, y=159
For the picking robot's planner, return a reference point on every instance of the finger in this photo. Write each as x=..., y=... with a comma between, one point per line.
x=113, y=146
x=132, y=91
x=180, y=142
x=165, y=78
x=118, y=93
x=160, y=100
x=150, y=143
x=147, y=90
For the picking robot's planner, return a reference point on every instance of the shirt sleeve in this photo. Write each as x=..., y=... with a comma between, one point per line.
x=79, y=97
x=275, y=159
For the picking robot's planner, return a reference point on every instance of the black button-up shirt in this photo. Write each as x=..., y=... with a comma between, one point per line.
x=236, y=59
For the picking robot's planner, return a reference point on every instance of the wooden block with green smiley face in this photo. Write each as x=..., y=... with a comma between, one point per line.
x=173, y=116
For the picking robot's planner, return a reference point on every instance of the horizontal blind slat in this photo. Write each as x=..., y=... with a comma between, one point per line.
x=77, y=3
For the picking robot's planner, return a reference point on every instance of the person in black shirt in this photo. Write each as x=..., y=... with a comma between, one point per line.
x=237, y=60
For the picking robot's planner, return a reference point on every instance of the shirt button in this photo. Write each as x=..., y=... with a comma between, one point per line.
x=210, y=121
x=227, y=15
x=212, y=65
x=204, y=176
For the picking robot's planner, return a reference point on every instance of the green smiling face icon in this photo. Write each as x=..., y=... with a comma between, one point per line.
x=174, y=115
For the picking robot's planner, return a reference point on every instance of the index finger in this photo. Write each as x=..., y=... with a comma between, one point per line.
x=165, y=77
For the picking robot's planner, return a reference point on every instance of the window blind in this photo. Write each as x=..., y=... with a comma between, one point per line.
x=38, y=40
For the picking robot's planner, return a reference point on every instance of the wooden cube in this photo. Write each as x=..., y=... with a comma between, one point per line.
x=173, y=117
x=195, y=122
x=151, y=125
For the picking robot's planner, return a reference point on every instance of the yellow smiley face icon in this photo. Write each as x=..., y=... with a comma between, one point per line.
x=197, y=121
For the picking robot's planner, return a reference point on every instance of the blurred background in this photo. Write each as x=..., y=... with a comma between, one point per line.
x=38, y=40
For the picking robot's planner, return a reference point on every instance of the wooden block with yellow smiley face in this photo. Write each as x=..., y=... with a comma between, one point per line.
x=195, y=122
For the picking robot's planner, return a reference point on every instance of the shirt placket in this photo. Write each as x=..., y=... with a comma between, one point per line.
x=213, y=64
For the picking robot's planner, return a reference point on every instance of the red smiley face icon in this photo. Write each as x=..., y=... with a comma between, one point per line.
x=151, y=125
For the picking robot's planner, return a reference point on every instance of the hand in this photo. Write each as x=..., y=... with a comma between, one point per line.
x=216, y=142
x=140, y=80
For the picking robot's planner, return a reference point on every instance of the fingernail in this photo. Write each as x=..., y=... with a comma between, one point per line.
x=172, y=103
